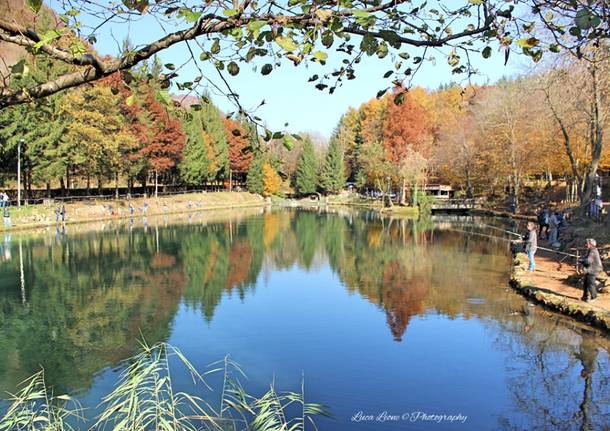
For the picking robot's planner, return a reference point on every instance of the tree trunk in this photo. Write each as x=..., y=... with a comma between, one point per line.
x=595, y=138
x=99, y=186
x=414, y=197
x=88, y=185
x=469, y=192
x=62, y=186
x=156, y=184
x=403, y=197
x=116, y=186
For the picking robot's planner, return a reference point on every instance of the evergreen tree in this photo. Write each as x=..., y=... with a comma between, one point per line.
x=194, y=168
x=332, y=176
x=256, y=179
x=216, y=142
x=307, y=170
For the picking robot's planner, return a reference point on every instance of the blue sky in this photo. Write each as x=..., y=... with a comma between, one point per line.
x=289, y=98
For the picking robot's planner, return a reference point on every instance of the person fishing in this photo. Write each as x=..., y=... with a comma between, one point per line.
x=592, y=266
x=531, y=245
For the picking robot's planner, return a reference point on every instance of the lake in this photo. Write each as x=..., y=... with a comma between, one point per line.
x=392, y=323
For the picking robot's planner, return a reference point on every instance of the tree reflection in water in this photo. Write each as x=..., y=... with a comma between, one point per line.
x=90, y=296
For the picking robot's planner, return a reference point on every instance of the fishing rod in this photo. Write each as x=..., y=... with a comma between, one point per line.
x=521, y=236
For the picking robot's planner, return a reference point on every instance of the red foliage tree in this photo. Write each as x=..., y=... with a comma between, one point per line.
x=406, y=125
x=164, y=148
x=240, y=155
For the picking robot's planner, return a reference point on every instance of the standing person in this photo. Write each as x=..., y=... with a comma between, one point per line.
x=63, y=213
x=592, y=266
x=599, y=205
x=543, y=221
x=4, y=199
x=531, y=245
x=7, y=217
x=554, y=228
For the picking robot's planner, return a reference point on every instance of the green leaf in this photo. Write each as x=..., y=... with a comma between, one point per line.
x=477, y=2
x=255, y=27
x=215, y=47
x=360, y=13
x=35, y=5
x=130, y=100
x=266, y=69
x=320, y=56
x=583, y=19
x=190, y=15
x=528, y=43
x=286, y=43
x=170, y=66
x=486, y=52
x=204, y=56
x=233, y=68
x=230, y=12
x=327, y=39
x=288, y=143
x=46, y=38
x=399, y=98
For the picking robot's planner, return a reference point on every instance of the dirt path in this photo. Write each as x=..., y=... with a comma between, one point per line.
x=549, y=286
x=552, y=275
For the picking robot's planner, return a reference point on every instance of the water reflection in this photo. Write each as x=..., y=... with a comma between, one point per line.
x=76, y=304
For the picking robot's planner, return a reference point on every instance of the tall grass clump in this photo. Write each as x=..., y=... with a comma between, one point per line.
x=35, y=407
x=144, y=399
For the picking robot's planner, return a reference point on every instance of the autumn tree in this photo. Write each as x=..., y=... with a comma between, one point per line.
x=240, y=148
x=271, y=180
x=94, y=133
x=165, y=148
x=406, y=130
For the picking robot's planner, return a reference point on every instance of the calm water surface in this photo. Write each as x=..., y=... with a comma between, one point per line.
x=379, y=315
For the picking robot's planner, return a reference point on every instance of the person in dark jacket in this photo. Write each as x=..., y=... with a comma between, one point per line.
x=531, y=245
x=592, y=266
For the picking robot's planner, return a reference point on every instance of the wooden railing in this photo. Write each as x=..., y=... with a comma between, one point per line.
x=454, y=204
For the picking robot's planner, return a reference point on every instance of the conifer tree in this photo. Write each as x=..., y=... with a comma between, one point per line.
x=255, y=180
x=194, y=168
x=216, y=142
x=332, y=176
x=307, y=170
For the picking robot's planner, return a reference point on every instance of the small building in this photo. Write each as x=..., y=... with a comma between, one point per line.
x=439, y=191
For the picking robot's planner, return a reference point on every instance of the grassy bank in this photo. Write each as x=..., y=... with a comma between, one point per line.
x=36, y=216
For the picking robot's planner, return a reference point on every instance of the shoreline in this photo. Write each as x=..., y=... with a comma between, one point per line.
x=163, y=206
x=593, y=315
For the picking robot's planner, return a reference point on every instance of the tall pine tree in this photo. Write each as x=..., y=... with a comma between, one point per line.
x=256, y=179
x=332, y=176
x=307, y=170
x=216, y=139
x=194, y=168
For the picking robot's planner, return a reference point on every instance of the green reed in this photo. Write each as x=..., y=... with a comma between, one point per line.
x=144, y=399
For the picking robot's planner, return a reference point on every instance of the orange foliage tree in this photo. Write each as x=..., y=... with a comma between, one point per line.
x=271, y=180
